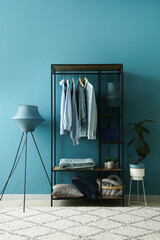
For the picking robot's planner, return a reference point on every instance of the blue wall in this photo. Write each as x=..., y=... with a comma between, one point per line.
x=36, y=33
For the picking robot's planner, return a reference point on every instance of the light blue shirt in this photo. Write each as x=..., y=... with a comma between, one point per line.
x=63, y=100
x=91, y=110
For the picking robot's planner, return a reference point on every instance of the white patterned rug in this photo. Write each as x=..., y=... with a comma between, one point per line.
x=77, y=223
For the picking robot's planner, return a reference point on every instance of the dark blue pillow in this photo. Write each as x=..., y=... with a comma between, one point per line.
x=84, y=187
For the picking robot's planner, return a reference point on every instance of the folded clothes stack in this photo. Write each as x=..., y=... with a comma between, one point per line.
x=76, y=163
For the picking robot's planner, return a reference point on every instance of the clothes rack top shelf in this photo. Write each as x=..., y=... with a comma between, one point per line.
x=86, y=67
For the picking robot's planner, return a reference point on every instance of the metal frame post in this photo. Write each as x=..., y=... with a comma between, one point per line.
x=122, y=131
x=51, y=131
x=100, y=137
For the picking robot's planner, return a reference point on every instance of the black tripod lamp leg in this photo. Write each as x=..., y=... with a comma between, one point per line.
x=25, y=174
x=41, y=159
x=12, y=169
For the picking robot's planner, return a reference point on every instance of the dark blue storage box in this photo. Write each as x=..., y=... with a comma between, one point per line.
x=111, y=134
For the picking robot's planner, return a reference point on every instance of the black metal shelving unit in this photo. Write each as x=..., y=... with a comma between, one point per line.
x=99, y=70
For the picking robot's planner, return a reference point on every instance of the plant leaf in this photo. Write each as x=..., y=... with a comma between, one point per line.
x=133, y=124
x=142, y=122
x=145, y=130
x=131, y=141
x=141, y=137
x=146, y=146
x=151, y=121
x=141, y=151
x=138, y=127
x=107, y=159
x=130, y=155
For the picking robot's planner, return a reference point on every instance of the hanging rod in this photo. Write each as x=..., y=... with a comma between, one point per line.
x=75, y=73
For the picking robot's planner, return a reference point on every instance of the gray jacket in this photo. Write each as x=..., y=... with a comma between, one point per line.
x=91, y=110
x=74, y=133
x=68, y=110
x=82, y=113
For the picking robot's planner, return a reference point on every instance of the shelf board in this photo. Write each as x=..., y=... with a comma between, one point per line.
x=117, y=142
x=98, y=197
x=103, y=197
x=95, y=169
x=79, y=198
x=86, y=67
x=111, y=115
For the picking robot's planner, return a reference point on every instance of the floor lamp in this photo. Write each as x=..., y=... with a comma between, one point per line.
x=27, y=118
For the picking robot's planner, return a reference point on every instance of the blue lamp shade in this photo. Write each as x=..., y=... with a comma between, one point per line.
x=113, y=95
x=27, y=118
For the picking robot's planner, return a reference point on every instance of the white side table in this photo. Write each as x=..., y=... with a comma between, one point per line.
x=133, y=203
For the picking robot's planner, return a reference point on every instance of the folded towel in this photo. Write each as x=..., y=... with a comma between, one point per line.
x=70, y=163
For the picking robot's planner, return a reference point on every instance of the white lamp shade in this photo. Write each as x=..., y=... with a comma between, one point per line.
x=27, y=118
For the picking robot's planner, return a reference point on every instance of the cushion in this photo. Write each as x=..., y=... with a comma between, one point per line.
x=66, y=191
x=84, y=187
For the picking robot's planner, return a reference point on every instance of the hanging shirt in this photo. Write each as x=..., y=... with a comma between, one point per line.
x=91, y=110
x=82, y=113
x=68, y=110
x=63, y=100
x=74, y=133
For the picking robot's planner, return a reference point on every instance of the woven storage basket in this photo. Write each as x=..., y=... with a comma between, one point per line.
x=104, y=189
x=111, y=190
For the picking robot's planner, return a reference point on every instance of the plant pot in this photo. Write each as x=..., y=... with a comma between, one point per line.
x=116, y=165
x=109, y=165
x=137, y=172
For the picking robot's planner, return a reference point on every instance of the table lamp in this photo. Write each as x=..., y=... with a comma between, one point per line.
x=113, y=95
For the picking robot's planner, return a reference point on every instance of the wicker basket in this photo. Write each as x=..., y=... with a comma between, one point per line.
x=112, y=190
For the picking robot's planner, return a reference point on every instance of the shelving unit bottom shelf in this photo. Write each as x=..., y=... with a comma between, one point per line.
x=84, y=198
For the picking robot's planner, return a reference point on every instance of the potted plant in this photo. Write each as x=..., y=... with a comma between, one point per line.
x=108, y=163
x=137, y=171
x=115, y=160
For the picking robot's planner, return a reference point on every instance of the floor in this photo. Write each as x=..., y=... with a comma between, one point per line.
x=41, y=222
x=45, y=202
x=80, y=223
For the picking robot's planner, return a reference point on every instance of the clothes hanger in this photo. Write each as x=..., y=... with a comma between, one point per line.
x=84, y=79
x=73, y=79
x=68, y=78
x=80, y=82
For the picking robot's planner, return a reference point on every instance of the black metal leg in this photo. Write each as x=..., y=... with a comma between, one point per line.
x=13, y=168
x=101, y=188
x=41, y=158
x=25, y=174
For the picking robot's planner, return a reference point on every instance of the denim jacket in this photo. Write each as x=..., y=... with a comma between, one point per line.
x=91, y=110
